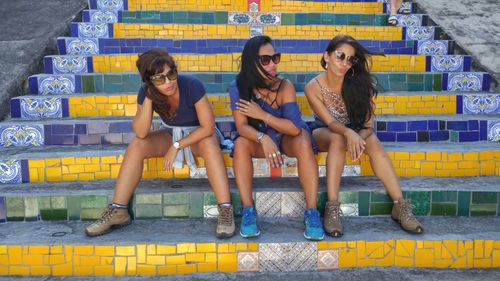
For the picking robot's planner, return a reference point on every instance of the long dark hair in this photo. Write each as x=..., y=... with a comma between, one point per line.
x=150, y=63
x=359, y=85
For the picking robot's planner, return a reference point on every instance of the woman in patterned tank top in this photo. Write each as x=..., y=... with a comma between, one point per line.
x=342, y=100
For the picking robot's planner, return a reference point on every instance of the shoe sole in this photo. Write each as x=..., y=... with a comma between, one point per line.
x=335, y=234
x=250, y=236
x=314, y=238
x=224, y=235
x=113, y=227
x=412, y=231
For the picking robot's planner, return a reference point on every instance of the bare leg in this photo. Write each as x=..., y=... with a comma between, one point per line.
x=300, y=147
x=395, y=5
x=154, y=145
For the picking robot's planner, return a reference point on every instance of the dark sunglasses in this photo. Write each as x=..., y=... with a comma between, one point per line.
x=160, y=79
x=266, y=59
x=340, y=56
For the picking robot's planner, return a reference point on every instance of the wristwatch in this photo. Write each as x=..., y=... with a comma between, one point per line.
x=259, y=136
x=177, y=145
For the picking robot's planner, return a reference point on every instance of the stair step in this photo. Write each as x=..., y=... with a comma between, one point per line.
x=67, y=64
x=183, y=247
x=118, y=130
x=48, y=84
x=97, y=162
x=192, y=198
x=109, y=46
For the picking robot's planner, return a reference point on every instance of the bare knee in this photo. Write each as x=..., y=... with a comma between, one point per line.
x=337, y=143
x=209, y=143
x=137, y=145
x=242, y=147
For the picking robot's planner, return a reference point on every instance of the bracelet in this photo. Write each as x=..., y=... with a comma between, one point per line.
x=266, y=120
x=259, y=136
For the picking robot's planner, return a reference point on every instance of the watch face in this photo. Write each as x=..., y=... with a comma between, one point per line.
x=177, y=145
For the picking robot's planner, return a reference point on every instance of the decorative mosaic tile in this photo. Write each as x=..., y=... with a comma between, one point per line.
x=268, y=19
x=420, y=32
x=110, y=4
x=404, y=5
x=199, y=173
x=40, y=107
x=21, y=135
x=82, y=46
x=93, y=30
x=351, y=171
x=260, y=168
x=268, y=204
x=248, y=261
x=481, y=104
x=465, y=81
x=494, y=130
x=285, y=257
x=210, y=211
x=447, y=63
x=289, y=168
x=102, y=16
x=240, y=18
x=69, y=64
x=350, y=209
x=409, y=20
x=10, y=171
x=256, y=30
x=56, y=85
x=253, y=7
x=432, y=47
x=322, y=171
x=293, y=204
x=328, y=259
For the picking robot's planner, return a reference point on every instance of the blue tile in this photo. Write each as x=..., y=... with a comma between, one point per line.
x=460, y=109
x=467, y=63
x=86, y=16
x=396, y=126
x=47, y=65
x=483, y=130
x=468, y=136
x=444, y=81
x=15, y=108
x=80, y=129
x=417, y=125
x=473, y=125
x=386, y=136
x=406, y=137
x=439, y=135
x=33, y=85
x=25, y=173
x=433, y=125
x=3, y=210
x=65, y=107
x=120, y=127
x=457, y=125
x=62, y=129
x=62, y=139
x=74, y=29
x=61, y=46
x=486, y=82
x=428, y=63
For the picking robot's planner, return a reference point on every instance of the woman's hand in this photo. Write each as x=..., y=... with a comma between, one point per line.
x=355, y=144
x=169, y=158
x=251, y=109
x=271, y=152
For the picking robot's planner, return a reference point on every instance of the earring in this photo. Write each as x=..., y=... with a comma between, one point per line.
x=352, y=75
x=326, y=64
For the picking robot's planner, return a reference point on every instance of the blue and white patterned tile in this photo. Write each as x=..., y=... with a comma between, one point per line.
x=293, y=204
x=110, y=5
x=41, y=107
x=288, y=257
x=198, y=173
x=93, y=30
x=10, y=171
x=351, y=171
x=69, y=64
x=82, y=46
x=494, y=130
x=350, y=209
x=409, y=20
x=256, y=30
x=240, y=18
x=253, y=7
x=103, y=16
x=404, y=5
x=248, y=261
x=447, y=63
x=328, y=259
x=56, y=84
x=465, y=81
x=268, y=204
x=268, y=19
x=433, y=47
x=420, y=32
x=21, y=135
x=481, y=104
x=260, y=168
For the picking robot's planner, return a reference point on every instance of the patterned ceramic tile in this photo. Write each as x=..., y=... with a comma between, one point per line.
x=350, y=209
x=351, y=171
x=82, y=46
x=268, y=204
x=69, y=64
x=36, y=108
x=10, y=171
x=494, y=130
x=404, y=5
x=260, y=168
x=284, y=257
x=481, y=104
x=93, y=30
x=240, y=18
x=289, y=168
x=21, y=135
x=328, y=259
x=210, y=211
x=447, y=63
x=200, y=173
x=110, y=4
x=465, y=81
x=433, y=47
x=420, y=32
x=254, y=7
x=293, y=204
x=268, y=19
x=56, y=85
x=248, y=261
x=256, y=30
x=409, y=20
x=99, y=16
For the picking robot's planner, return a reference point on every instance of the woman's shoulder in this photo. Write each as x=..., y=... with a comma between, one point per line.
x=313, y=84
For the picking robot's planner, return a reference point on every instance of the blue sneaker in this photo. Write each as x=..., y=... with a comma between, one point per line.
x=314, y=228
x=249, y=223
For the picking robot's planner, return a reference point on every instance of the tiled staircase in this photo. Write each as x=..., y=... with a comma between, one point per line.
x=64, y=143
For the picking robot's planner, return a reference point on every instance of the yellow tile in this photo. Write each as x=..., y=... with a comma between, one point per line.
x=125, y=250
x=131, y=266
x=83, y=250
x=19, y=270
x=167, y=249
x=186, y=248
x=479, y=249
x=496, y=259
x=405, y=248
x=33, y=259
x=186, y=269
x=141, y=253
x=347, y=258
x=460, y=262
x=241, y=246
x=482, y=263
x=40, y=270
x=195, y=257
x=83, y=270
x=176, y=260
x=337, y=245
x=155, y=260
x=211, y=258
x=424, y=258
x=39, y=250
x=227, y=262
x=375, y=249
x=62, y=270
x=104, y=270
x=15, y=255
x=167, y=270
x=151, y=249
x=120, y=266
x=89, y=260
x=443, y=263
x=104, y=250
x=434, y=156
x=146, y=269
x=207, y=267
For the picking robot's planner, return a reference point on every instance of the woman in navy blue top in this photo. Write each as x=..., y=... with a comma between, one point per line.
x=269, y=123
x=181, y=103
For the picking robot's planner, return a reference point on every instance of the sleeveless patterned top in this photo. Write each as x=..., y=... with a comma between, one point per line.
x=335, y=104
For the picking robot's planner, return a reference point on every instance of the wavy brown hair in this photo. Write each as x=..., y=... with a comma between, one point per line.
x=150, y=63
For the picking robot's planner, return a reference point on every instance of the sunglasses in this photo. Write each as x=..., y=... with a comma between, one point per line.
x=266, y=59
x=160, y=79
x=340, y=56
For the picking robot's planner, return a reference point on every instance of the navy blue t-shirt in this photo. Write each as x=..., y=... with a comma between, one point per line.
x=191, y=90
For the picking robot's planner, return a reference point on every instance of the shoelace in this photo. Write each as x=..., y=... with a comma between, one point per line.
x=407, y=212
x=248, y=218
x=106, y=215
x=225, y=215
x=314, y=220
x=335, y=211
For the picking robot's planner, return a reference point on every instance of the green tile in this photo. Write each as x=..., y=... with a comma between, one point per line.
x=483, y=209
x=498, y=204
x=444, y=196
x=237, y=204
x=380, y=197
x=15, y=208
x=150, y=198
x=364, y=203
x=58, y=202
x=348, y=197
x=437, y=82
x=148, y=211
x=221, y=17
x=176, y=198
x=415, y=78
x=321, y=202
x=87, y=84
x=380, y=208
x=176, y=211
x=421, y=200
x=300, y=19
x=196, y=204
x=74, y=207
x=287, y=19
x=464, y=203
x=209, y=199
x=31, y=208
x=484, y=197
x=444, y=209
x=453, y=136
x=91, y=214
x=54, y=214
x=94, y=201
x=44, y=202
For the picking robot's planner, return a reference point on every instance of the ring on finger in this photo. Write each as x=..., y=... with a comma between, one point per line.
x=270, y=155
x=274, y=154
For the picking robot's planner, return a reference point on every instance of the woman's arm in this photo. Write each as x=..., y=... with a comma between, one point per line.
x=141, y=124
x=207, y=123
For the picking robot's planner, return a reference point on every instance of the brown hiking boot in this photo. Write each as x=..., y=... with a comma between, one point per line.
x=110, y=219
x=225, y=222
x=333, y=220
x=402, y=212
